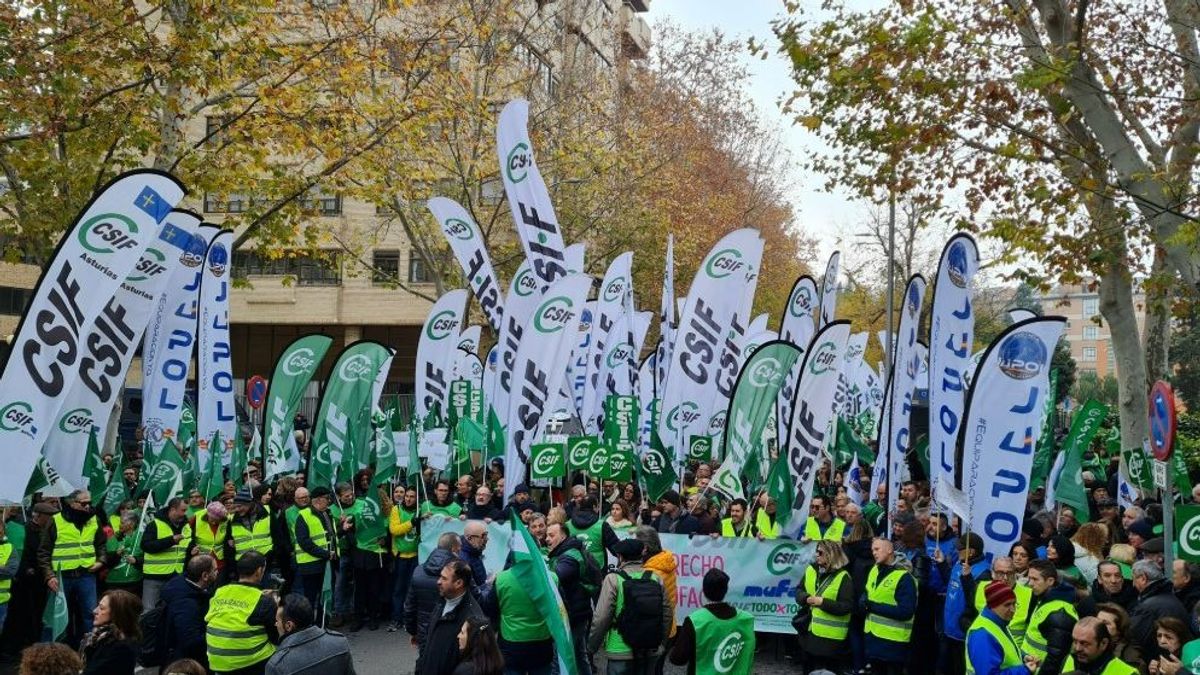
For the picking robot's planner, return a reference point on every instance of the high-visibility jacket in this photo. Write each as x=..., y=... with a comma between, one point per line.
x=835, y=531
x=728, y=529
x=232, y=642
x=824, y=624
x=257, y=537
x=170, y=561
x=768, y=529
x=1035, y=643
x=316, y=532
x=1010, y=653
x=74, y=548
x=1020, y=620
x=402, y=526
x=210, y=541
x=1114, y=667
x=6, y=550
x=883, y=591
x=723, y=646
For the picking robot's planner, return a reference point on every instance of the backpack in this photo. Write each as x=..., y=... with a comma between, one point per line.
x=152, y=651
x=640, y=622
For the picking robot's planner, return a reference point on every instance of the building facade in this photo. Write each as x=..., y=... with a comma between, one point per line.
x=1086, y=332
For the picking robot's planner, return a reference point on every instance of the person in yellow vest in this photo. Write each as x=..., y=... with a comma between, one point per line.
x=166, y=544
x=1092, y=650
x=316, y=547
x=890, y=603
x=826, y=598
x=73, y=545
x=240, y=624
x=211, y=529
x=822, y=524
x=991, y=649
x=195, y=505
x=765, y=524
x=1003, y=570
x=1048, y=635
x=251, y=526
x=10, y=561
x=300, y=501
x=717, y=638
x=405, y=528
x=737, y=524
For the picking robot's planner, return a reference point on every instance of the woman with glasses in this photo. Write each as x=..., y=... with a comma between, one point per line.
x=826, y=598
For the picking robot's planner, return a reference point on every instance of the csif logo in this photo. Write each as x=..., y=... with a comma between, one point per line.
x=76, y=421
x=218, y=260
x=151, y=264
x=441, y=325
x=580, y=452
x=356, y=368
x=518, y=163
x=802, y=303
x=617, y=462
x=723, y=263
x=459, y=229
x=547, y=460
x=614, y=289
x=716, y=423
x=766, y=371
x=299, y=362
x=1022, y=355
x=108, y=232
x=554, y=314
x=682, y=416
x=956, y=264
x=654, y=461
x=1189, y=533
x=620, y=353
x=823, y=359
x=786, y=557
x=525, y=284
x=598, y=460
x=18, y=416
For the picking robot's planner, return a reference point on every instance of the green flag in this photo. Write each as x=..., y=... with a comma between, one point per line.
x=212, y=483
x=852, y=445
x=385, y=447
x=326, y=591
x=1043, y=453
x=93, y=465
x=1179, y=472
x=55, y=617
x=413, y=474
x=343, y=424
x=529, y=568
x=1141, y=474
x=239, y=460
x=116, y=491
x=656, y=469
x=1069, y=488
x=699, y=448
x=495, y=437
x=781, y=489
x=752, y=405
x=166, y=478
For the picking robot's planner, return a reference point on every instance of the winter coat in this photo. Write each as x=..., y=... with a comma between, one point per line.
x=840, y=606
x=312, y=651
x=570, y=579
x=473, y=557
x=1158, y=601
x=939, y=575
x=878, y=649
x=183, y=620
x=439, y=650
x=1056, y=628
x=106, y=654
x=663, y=564
x=1126, y=597
x=582, y=520
x=605, y=618
x=986, y=654
x=423, y=593
x=1189, y=595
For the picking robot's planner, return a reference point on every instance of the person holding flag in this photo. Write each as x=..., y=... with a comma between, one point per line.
x=316, y=547
x=211, y=529
x=251, y=527
x=72, y=547
x=405, y=528
x=166, y=541
x=124, y=557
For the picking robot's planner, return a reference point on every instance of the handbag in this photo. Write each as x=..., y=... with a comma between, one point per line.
x=803, y=618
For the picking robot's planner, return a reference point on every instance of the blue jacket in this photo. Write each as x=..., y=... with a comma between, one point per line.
x=905, y=609
x=182, y=621
x=474, y=558
x=938, y=581
x=985, y=653
x=958, y=598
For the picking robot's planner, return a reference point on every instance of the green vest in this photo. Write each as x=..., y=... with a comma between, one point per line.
x=170, y=561
x=592, y=539
x=812, y=530
x=727, y=529
x=290, y=515
x=884, y=593
x=232, y=642
x=74, y=548
x=824, y=624
x=6, y=550
x=520, y=620
x=316, y=532
x=212, y=543
x=762, y=523
x=124, y=573
x=451, y=510
x=257, y=537
x=613, y=642
x=1011, y=654
x=1115, y=667
x=406, y=544
x=1016, y=625
x=723, y=645
x=368, y=540
x=1035, y=642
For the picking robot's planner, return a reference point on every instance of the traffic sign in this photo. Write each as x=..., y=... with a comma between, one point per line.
x=256, y=391
x=1160, y=474
x=1162, y=420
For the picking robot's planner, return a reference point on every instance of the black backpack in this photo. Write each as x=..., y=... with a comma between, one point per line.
x=640, y=622
x=152, y=651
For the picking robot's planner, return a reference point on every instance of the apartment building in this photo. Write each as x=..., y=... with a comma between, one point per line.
x=1086, y=331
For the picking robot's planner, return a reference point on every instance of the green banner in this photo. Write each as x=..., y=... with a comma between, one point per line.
x=116, y=491
x=93, y=465
x=292, y=373
x=699, y=448
x=657, y=472
x=343, y=423
x=779, y=484
x=547, y=461
x=753, y=402
x=1187, y=532
x=579, y=452
x=166, y=477
x=212, y=482
x=1070, y=489
x=460, y=400
x=1141, y=474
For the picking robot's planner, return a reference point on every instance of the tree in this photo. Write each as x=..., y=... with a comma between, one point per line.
x=1185, y=358
x=1091, y=386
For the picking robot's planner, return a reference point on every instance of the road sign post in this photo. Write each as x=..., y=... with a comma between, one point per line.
x=1162, y=442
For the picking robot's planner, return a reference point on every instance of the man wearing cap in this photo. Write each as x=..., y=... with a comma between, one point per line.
x=520, y=499
x=1139, y=532
x=1003, y=570
x=251, y=527
x=991, y=649
x=1154, y=551
x=674, y=520
x=890, y=603
x=704, y=636
x=610, y=604
x=315, y=546
x=1092, y=650
x=166, y=543
x=1048, y=637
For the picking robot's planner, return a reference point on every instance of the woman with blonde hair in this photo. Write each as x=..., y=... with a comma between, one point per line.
x=826, y=598
x=1090, y=540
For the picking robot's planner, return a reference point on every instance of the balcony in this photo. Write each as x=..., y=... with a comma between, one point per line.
x=635, y=34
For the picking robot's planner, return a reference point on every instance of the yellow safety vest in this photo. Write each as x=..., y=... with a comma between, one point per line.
x=208, y=540
x=171, y=560
x=812, y=530
x=884, y=593
x=824, y=624
x=1020, y=620
x=6, y=550
x=316, y=532
x=1115, y=667
x=74, y=548
x=232, y=642
x=728, y=531
x=256, y=538
x=1010, y=654
x=1035, y=642
x=762, y=523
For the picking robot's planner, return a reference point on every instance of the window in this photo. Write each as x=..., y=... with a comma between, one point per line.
x=322, y=204
x=387, y=267
x=1091, y=332
x=307, y=270
x=1089, y=354
x=1111, y=357
x=230, y=203
x=1091, y=307
x=14, y=300
x=418, y=273
x=216, y=128
x=538, y=64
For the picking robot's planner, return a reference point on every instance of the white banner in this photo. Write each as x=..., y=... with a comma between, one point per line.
x=646, y=400
x=577, y=366
x=110, y=344
x=168, y=345
x=951, y=336
x=1003, y=410
x=94, y=255
x=532, y=211
x=618, y=370
x=847, y=403
x=214, y=361
x=468, y=367
x=666, y=315
x=468, y=338
x=435, y=353
x=471, y=252
x=797, y=327
x=573, y=257
x=541, y=365
x=829, y=289
x=898, y=440
x=523, y=294
x=813, y=415
x=610, y=303
x=718, y=292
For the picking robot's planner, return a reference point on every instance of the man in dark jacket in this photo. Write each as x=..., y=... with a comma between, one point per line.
x=1155, y=601
x=169, y=530
x=474, y=541
x=77, y=521
x=568, y=563
x=439, y=649
x=185, y=599
x=423, y=590
x=674, y=519
x=1185, y=579
x=307, y=649
x=315, y=545
x=1111, y=586
x=1052, y=617
x=593, y=533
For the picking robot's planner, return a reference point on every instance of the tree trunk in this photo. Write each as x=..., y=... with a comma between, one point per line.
x=1157, y=331
x=1116, y=306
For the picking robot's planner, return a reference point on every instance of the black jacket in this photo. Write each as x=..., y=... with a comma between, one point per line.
x=423, y=593
x=439, y=649
x=683, y=652
x=151, y=543
x=1057, y=628
x=570, y=580
x=843, y=605
x=104, y=654
x=45, y=551
x=183, y=620
x=1125, y=597
x=305, y=541
x=1189, y=595
x=1156, y=602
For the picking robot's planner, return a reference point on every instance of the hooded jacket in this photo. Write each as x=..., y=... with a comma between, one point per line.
x=312, y=651
x=663, y=564
x=585, y=519
x=473, y=557
x=423, y=593
x=1158, y=601
x=570, y=579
